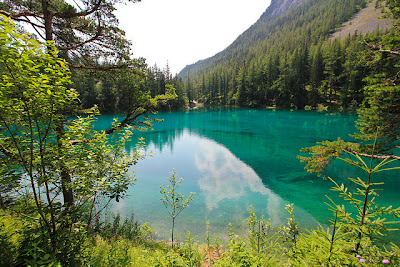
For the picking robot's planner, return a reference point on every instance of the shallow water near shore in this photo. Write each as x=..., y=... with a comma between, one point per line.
x=237, y=158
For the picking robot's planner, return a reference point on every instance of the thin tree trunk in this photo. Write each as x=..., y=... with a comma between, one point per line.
x=65, y=175
x=173, y=226
x=364, y=211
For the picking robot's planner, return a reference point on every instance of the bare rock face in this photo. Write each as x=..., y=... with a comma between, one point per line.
x=281, y=6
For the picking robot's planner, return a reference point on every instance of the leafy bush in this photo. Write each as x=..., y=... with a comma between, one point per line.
x=10, y=238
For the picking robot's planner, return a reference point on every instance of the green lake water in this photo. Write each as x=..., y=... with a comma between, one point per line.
x=235, y=158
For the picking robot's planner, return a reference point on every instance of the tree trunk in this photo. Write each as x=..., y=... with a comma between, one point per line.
x=65, y=175
x=173, y=226
x=48, y=20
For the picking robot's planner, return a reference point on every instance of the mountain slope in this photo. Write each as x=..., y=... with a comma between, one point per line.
x=287, y=59
x=367, y=20
x=277, y=8
x=289, y=15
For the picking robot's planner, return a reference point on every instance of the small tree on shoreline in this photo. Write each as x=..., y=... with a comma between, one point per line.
x=173, y=201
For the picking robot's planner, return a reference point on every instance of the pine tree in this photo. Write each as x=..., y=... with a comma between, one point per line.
x=379, y=117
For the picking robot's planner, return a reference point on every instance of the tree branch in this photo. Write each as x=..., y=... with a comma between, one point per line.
x=16, y=16
x=128, y=120
x=20, y=213
x=95, y=37
x=105, y=68
x=35, y=27
x=9, y=154
x=380, y=48
x=82, y=13
x=395, y=77
x=86, y=12
x=372, y=156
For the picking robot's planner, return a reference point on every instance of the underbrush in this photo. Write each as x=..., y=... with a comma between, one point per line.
x=260, y=245
x=125, y=243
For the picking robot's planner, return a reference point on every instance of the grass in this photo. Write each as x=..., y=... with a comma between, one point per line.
x=126, y=249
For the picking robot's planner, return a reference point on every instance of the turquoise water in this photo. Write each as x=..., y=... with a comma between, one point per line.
x=235, y=158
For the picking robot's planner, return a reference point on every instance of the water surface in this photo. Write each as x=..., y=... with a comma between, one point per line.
x=235, y=158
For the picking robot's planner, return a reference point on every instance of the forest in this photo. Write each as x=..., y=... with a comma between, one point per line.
x=108, y=91
x=290, y=62
x=58, y=173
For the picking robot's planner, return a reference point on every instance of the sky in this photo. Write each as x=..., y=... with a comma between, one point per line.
x=181, y=32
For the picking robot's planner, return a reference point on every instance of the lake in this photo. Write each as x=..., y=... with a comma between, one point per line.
x=234, y=159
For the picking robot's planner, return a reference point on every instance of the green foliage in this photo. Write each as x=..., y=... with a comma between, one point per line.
x=126, y=91
x=35, y=256
x=322, y=247
x=191, y=252
x=358, y=225
x=69, y=170
x=381, y=107
x=261, y=246
x=324, y=153
x=10, y=238
x=290, y=232
x=105, y=253
x=382, y=112
x=362, y=222
x=395, y=7
x=370, y=223
x=123, y=252
x=379, y=112
x=128, y=229
x=62, y=164
x=101, y=169
x=63, y=171
x=85, y=32
x=258, y=233
x=351, y=241
x=97, y=51
x=174, y=201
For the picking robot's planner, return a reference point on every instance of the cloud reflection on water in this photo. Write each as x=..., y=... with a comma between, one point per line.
x=225, y=187
x=225, y=177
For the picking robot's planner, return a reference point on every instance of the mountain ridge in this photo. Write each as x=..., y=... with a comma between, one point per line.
x=275, y=9
x=278, y=8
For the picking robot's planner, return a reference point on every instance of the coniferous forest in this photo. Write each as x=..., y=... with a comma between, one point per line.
x=109, y=90
x=289, y=61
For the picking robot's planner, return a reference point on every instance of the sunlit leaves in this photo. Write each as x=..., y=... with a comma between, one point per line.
x=174, y=201
x=34, y=93
x=47, y=154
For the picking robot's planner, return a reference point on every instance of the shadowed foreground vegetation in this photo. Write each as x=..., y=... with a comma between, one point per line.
x=125, y=243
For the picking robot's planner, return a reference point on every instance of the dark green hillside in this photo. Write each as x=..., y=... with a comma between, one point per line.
x=285, y=60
